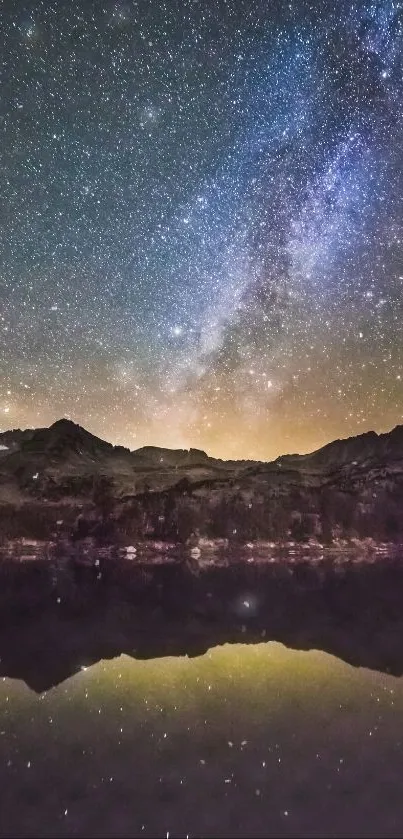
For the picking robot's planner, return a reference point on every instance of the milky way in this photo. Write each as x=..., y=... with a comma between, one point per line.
x=201, y=220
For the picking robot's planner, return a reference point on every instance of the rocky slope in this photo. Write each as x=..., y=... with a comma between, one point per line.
x=63, y=480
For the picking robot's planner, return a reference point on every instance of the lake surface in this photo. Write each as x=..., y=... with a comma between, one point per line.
x=244, y=739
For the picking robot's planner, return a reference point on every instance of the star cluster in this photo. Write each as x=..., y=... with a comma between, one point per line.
x=201, y=220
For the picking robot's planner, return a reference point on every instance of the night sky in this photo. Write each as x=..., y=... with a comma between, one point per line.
x=201, y=220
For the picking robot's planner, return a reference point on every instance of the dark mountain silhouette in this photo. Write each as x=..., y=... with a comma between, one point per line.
x=153, y=455
x=64, y=439
x=365, y=448
x=349, y=489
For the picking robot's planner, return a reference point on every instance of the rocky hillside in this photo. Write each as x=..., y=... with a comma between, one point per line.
x=65, y=481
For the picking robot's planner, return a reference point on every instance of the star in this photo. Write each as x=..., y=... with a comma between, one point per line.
x=202, y=224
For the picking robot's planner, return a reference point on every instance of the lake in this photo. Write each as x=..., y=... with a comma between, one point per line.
x=120, y=717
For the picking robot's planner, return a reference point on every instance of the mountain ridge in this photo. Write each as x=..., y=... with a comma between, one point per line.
x=69, y=428
x=349, y=488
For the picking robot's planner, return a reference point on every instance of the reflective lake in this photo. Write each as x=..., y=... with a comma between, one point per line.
x=244, y=739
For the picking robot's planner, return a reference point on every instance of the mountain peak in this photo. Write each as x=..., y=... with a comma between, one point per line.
x=65, y=424
x=65, y=437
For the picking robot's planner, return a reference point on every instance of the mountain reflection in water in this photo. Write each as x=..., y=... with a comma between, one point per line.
x=244, y=739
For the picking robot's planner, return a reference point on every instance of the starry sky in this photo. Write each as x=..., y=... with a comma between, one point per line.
x=201, y=220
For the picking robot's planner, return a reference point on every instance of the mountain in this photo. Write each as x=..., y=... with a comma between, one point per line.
x=67, y=442
x=153, y=455
x=12, y=440
x=65, y=480
x=62, y=440
x=364, y=449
